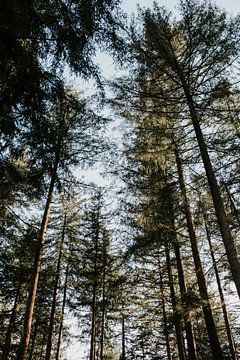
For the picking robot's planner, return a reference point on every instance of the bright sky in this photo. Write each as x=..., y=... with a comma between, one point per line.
x=232, y=6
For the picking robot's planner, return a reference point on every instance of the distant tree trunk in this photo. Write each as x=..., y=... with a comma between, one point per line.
x=223, y=304
x=143, y=349
x=37, y=324
x=214, y=188
x=93, y=324
x=177, y=316
x=34, y=337
x=191, y=343
x=24, y=343
x=59, y=343
x=207, y=311
x=165, y=324
x=53, y=307
x=43, y=346
x=7, y=344
x=192, y=352
x=123, y=355
x=94, y=295
x=231, y=199
x=103, y=302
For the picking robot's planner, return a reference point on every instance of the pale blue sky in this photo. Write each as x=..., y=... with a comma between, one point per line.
x=232, y=6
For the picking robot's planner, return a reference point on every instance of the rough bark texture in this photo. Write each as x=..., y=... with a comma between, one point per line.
x=207, y=311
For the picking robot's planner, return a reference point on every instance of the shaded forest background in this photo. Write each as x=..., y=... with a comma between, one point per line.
x=146, y=267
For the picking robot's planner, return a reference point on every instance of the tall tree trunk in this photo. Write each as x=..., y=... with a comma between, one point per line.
x=192, y=352
x=24, y=343
x=93, y=326
x=207, y=311
x=165, y=324
x=191, y=343
x=223, y=304
x=34, y=337
x=53, y=307
x=103, y=302
x=37, y=324
x=7, y=343
x=59, y=343
x=177, y=316
x=214, y=188
x=94, y=294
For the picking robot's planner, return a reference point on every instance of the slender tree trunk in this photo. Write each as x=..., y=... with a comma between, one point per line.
x=177, y=316
x=93, y=327
x=214, y=189
x=123, y=355
x=231, y=198
x=7, y=344
x=207, y=311
x=37, y=325
x=59, y=343
x=94, y=295
x=103, y=304
x=53, y=308
x=223, y=304
x=43, y=346
x=192, y=352
x=24, y=343
x=165, y=325
x=143, y=349
x=34, y=338
x=191, y=343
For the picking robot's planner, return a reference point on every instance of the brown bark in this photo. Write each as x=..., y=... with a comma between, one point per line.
x=24, y=344
x=207, y=311
x=7, y=343
x=232, y=346
x=53, y=307
x=177, y=316
x=37, y=325
x=59, y=343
